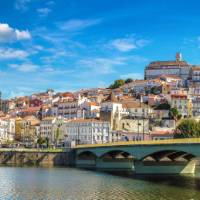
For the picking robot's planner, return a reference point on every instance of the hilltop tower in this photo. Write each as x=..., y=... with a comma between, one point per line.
x=177, y=67
x=178, y=56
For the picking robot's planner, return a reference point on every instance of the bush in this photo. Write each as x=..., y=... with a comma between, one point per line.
x=187, y=128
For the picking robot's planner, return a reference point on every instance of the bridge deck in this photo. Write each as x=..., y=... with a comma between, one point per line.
x=152, y=142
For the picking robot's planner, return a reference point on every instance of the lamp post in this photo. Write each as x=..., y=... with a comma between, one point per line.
x=143, y=115
x=78, y=134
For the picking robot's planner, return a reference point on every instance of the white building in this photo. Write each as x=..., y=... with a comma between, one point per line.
x=54, y=110
x=87, y=131
x=49, y=127
x=69, y=108
x=89, y=110
x=138, y=109
x=11, y=129
x=112, y=111
x=176, y=67
x=195, y=74
x=7, y=129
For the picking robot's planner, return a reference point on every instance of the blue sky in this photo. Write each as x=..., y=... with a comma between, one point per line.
x=71, y=44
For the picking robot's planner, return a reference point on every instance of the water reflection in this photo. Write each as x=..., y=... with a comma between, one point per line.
x=62, y=183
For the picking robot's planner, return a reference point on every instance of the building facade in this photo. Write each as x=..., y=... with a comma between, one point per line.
x=87, y=131
x=176, y=67
x=183, y=103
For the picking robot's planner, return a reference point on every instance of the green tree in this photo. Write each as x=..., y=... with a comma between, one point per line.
x=155, y=90
x=57, y=136
x=163, y=106
x=41, y=141
x=174, y=114
x=187, y=128
x=117, y=84
x=18, y=131
x=128, y=80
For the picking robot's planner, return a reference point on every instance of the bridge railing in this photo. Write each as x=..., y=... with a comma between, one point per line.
x=147, y=142
x=50, y=150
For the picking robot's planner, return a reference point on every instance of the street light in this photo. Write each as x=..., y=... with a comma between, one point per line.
x=78, y=134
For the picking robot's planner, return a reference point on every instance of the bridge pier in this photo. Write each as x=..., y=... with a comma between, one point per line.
x=86, y=164
x=106, y=165
x=124, y=164
x=172, y=167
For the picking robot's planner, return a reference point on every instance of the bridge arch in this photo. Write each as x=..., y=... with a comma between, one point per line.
x=86, y=155
x=169, y=155
x=116, y=154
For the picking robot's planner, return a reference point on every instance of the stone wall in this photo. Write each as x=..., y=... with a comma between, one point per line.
x=37, y=158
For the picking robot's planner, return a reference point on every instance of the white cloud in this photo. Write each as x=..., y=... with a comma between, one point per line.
x=123, y=45
x=9, y=53
x=102, y=65
x=21, y=4
x=38, y=47
x=43, y=12
x=24, y=67
x=50, y=3
x=142, y=42
x=78, y=24
x=22, y=35
x=137, y=59
x=127, y=44
x=49, y=70
x=132, y=75
x=9, y=34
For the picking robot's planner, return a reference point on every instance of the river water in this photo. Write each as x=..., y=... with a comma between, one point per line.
x=73, y=184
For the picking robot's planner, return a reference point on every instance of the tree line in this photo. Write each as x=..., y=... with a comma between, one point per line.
x=119, y=82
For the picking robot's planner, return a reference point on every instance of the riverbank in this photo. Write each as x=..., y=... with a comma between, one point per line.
x=36, y=157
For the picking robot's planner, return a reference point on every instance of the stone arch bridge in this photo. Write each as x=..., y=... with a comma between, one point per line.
x=143, y=157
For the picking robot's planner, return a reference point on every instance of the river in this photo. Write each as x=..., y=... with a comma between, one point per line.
x=73, y=184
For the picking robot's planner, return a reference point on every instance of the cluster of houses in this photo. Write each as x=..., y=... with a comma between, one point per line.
x=138, y=110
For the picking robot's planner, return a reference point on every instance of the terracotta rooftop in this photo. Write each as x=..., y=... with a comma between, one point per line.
x=48, y=118
x=92, y=103
x=85, y=120
x=111, y=98
x=133, y=104
x=170, y=76
x=160, y=64
x=33, y=119
x=161, y=133
x=31, y=109
x=179, y=96
x=196, y=68
x=67, y=94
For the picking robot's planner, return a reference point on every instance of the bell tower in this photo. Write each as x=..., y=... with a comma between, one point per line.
x=178, y=56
